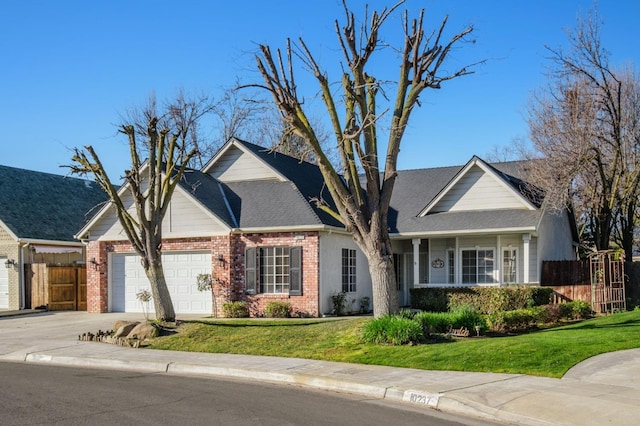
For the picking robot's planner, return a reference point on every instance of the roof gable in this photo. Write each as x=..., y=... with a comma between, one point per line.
x=235, y=162
x=305, y=177
x=198, y=204
x=476, y=187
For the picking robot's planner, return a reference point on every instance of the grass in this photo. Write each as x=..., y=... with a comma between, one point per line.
x=548, y=352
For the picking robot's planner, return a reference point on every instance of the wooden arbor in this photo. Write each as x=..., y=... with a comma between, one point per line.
x=607, y=281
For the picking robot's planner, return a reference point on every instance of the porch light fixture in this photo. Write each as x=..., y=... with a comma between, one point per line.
x=95, y=265
x=220, y=258
x=9, y=263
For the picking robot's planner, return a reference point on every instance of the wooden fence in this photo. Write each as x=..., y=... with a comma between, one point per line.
x=571, y=280
x=565, y=273
x=59, y=288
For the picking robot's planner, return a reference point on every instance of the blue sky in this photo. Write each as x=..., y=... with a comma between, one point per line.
x=70, y=68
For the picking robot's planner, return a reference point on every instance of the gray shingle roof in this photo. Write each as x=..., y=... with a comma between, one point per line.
x=414, y=189
x=44, y=206
x=306, y=177
x=269, y=203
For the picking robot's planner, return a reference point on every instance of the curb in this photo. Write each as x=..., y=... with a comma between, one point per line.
x=416, y=398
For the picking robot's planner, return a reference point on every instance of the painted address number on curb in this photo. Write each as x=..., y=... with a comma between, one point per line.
x=420, y=398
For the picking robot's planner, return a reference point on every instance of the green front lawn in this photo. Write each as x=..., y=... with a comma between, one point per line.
x=542, y=353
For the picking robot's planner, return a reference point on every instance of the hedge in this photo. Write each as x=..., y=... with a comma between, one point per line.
x=486, y=300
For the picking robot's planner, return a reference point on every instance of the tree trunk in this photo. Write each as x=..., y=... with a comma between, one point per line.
x=383, y=282
x=160, y=291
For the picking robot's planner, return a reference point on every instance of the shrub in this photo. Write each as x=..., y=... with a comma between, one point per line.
x=393, y=330
x=580, y=309
x=485, y=300
x=406, y=313
x=488, y=300
x=277, y=309
x=552, y=313
x=434, y=322
x=430, y=299
x=339, y=302
x=235, y=309
x=515, y=320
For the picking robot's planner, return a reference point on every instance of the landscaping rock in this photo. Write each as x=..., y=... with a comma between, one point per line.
x=123, y=328
x=143, y=331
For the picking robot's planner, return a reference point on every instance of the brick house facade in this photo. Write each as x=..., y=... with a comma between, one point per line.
x=227, y=269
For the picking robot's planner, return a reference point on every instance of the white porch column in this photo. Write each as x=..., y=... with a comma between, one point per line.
x=457, y=256
x=525, y=257
x=498, y=258
x=416, y=260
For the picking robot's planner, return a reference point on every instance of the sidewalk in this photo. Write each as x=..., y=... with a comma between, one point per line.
x=601, y=390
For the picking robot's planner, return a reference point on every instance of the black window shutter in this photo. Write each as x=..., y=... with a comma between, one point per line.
x=295, y=271
x=250, y=271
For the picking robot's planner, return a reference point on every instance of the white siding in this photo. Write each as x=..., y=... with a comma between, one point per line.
x=555, y=241
x=438, y=250
x=477, y=190
x=555, y=237
x=183, y=219
x=331, y=246
x=236, y=165
x=534, y=265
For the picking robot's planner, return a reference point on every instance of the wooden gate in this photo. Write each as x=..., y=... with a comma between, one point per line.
x=59, y=288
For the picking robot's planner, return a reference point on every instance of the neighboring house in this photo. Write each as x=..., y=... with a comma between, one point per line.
x=248, y=219
x=39, y=214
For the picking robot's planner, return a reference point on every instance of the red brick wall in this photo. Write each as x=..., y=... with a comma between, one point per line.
x=305, y=305
x=97, y=280
x=227, y=269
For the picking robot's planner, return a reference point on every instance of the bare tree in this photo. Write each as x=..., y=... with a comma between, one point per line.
x=239, y=116
x=362, y=205
x=585, y=127
x=150, y=183
x=189, y=115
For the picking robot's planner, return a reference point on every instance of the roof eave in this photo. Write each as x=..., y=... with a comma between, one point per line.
x=465, y=232
x=292, y=228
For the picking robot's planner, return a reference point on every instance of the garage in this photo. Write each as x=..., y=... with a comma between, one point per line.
x=4, y=285
x=180, y=269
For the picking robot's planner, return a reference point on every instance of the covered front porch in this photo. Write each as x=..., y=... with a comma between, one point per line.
x=464, y=260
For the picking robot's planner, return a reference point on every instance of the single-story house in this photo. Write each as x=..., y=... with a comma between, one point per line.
x=39, y=215
x=247, y=218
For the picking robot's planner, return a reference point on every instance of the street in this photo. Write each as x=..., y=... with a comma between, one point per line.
x=36, y=394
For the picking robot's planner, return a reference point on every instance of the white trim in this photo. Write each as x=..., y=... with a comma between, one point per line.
x=293, y=228
x=483, y=231
x=493, y=271
x=517, y=255
x=526, y=238
x=449, y=264
x=475, y=161
x=50, y=242
x=8, y=231
x=416, y=260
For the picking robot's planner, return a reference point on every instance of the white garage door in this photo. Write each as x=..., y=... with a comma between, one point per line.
x=4, y=285
x=180, y=270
